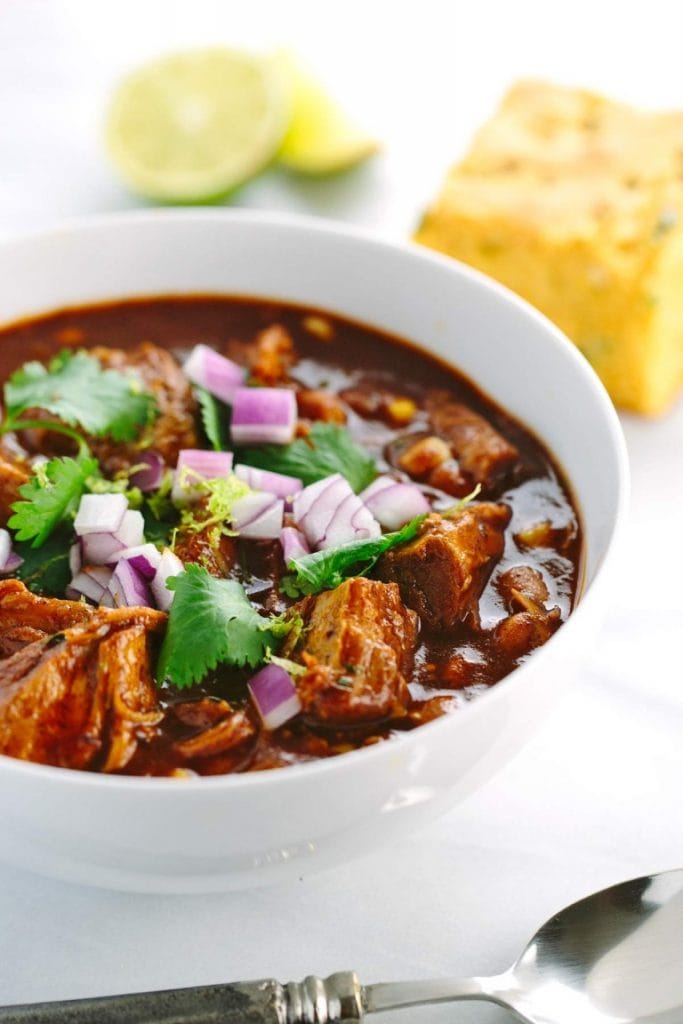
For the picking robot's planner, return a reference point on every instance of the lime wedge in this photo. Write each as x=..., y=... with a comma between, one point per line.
x=193, y=126
x=321, y=139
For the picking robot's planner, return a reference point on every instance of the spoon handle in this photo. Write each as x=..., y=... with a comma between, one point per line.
x=313, y=1001
x=332, y=1000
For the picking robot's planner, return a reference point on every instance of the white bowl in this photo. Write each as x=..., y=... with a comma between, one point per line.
x=163, y=835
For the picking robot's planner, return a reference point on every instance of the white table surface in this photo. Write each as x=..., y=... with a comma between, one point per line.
x=596, y=797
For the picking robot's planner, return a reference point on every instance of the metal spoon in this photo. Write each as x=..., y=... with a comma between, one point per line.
x=613, y=958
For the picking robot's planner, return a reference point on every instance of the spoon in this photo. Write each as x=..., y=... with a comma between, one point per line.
x=613, y=958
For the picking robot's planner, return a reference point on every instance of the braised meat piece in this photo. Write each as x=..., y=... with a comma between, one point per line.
x=174, y=427
x=320, y=405
x=25, y=618
x=481, y=451
x=83, y=697
x=220, y=728
x=198, y=546
x=13, y=473
x=530, y=622
x=358, y=649
x=520, y=633
x=272, y=355
x=522, y=588
x=125, y=706
x=443, y=571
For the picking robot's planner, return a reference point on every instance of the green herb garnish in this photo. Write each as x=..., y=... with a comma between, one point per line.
x=328, y=449
x=212, y=622
x=46, y=570
x=215, y=419
x=453, y=510
x=325, y=570
x=75, y=388
x=51, y=497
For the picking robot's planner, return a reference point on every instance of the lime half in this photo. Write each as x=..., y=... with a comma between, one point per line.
x=321, y=139
x=193, y=126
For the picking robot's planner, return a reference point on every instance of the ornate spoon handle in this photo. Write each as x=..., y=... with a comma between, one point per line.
x=331, y=1000
x=314, y=1001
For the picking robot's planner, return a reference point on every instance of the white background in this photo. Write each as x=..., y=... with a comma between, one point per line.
x=597, y=796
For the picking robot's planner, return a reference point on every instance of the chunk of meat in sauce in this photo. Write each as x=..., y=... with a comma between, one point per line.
x=84, y=694
x=443, y=571
x=320, y=405
x=200, y=547
x=481, y=451
x=530, y=623
x=358, y=649
x=174, y=427
x=522, y=588
x=13, y=473
x=25, y=618
x=220, y=728
x=272, y=355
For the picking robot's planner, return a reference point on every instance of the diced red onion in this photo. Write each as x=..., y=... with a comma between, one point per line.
x=170, y=565
x=145, y=559
x=394, y=503
x=5, y=547
x=213, y=372
x=274, y=696
x=131, y=532
x=107, y=600
x=105, y=548
x=14, y=562
x=263, y=416
x=294, y=544
x=127, y=587
x=37, y=461
x=91, y=582
x=75, y=557
x=101, y=548
x=150, y=473
x=279, y=484
x=9, y=560
x=194, y=465
x=258, y=515
x=100, y=513
x=330, y=514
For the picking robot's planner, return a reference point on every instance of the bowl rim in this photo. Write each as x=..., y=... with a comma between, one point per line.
x=55, y=775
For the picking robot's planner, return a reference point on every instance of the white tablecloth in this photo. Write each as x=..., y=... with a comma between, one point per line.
x=596, y=797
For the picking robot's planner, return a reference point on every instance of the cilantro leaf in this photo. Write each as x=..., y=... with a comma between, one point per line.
x=211, y=622
x=215, y=417
x=325, y=570
x=51, y=496
x=328, y=449
x=76, y=389
x=45, y=570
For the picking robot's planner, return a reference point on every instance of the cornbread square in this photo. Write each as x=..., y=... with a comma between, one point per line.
x=576, y=203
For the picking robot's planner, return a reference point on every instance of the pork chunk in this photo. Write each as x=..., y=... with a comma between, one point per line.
x=443, y=571
x=358, y=648
x=481, y=451
x=83, y=694
x=13, y=473
x=522, y=588
x=198, y=546
x=25, y=617
x=272, y=355
x=174, y=427
x=530, y=623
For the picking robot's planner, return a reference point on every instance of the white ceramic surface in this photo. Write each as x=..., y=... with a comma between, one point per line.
x=218, y=833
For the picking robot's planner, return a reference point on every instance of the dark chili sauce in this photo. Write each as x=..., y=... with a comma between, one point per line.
x=450, y=669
